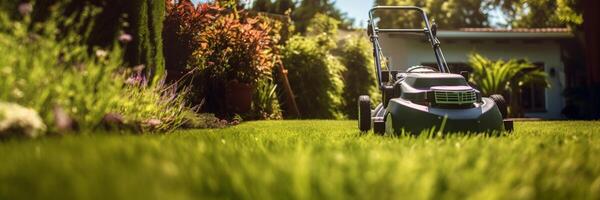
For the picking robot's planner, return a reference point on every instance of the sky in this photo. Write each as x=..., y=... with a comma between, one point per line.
x=357, y=9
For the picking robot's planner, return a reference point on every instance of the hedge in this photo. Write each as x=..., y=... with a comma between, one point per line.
x=360, y=78
x=315, y=77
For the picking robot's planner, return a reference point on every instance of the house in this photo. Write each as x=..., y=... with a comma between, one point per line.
x=542, y=46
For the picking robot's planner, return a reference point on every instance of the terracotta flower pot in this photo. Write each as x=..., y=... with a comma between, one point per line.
x=238, y=97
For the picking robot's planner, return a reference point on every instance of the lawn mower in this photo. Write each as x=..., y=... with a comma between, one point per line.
x=425, y=98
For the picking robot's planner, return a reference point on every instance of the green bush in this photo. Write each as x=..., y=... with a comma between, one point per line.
x=315, y=74
x=45, y=68
x=11, y=7
x=360, y=77
x=265, y=103
x=315, y=77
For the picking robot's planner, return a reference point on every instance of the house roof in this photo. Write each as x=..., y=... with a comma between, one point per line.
x=516, y=33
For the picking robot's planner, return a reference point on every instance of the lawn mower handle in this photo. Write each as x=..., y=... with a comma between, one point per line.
x=435, y=43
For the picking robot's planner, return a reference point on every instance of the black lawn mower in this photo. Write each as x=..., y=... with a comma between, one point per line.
x=426, y=98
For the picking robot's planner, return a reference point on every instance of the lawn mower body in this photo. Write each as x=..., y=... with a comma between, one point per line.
x=424, y=98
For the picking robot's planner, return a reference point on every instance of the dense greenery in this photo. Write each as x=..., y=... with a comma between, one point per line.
x=447, y=14
x=142, y=19
x=315, y=74
x=210, y=47
x=147, y=18
x=10, y=7
x=315, y=77
x=308, y=160
x=304, y=11
x=360, y=76
x=277, y=7
x=52, y=70
x=477, y=13
x=542, y=13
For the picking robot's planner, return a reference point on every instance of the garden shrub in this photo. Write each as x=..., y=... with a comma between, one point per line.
x=322, y=24
x=314, y=73
x=265, y=103
x=234, y=49
x=183, y=23
x=12, y=9
x=209, y=46
x=315, y=77
x=360, y=76
x=44, y=68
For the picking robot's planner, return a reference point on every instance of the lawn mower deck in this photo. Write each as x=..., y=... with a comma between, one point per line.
x=424, y=98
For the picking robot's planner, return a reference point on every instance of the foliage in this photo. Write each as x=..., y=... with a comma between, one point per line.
x=447, y=14
x=504, y=77
x=262, y=5
x=308, y=160
x=195, y=120
x=44, y=67
x=476, y=13
x=183, y=23
x=499, y=77
x=278, y=7
x=212, y=46
x=265, y=102
x=147, y=26
x=142, y=19
x=360, y=76
x=309, y=8
x=322, y=24
x=237, y=49
x=542, y=13
x=315, y=77
x=11, y=8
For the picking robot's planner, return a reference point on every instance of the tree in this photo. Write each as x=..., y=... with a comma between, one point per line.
x=309, y=8
x=262, y=5
x=448, y=14
x=541, y=13
x=322, y=24
x=504, y=77
x=282, y=6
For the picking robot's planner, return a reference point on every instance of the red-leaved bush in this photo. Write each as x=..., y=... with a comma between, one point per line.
x=183, y=23
x=211, y=46
x=237, y=48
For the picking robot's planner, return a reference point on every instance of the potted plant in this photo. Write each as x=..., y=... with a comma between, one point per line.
x=236, y=52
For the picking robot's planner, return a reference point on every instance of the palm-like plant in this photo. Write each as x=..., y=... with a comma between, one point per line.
x=505, y=77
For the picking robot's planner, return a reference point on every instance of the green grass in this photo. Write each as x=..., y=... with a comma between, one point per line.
x=307, y=160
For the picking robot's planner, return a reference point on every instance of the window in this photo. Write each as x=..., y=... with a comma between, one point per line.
x=533, y=96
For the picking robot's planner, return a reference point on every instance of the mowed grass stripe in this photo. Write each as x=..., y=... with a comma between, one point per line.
x=307, y=160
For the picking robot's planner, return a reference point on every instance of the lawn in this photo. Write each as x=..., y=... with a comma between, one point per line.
x=307, y=160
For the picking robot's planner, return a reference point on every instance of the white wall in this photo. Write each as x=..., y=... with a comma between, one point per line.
x=409, y=51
